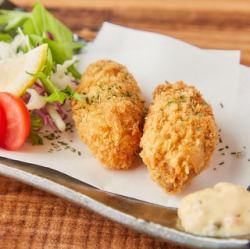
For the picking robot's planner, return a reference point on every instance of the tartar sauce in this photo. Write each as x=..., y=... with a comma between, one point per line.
x=221, y=211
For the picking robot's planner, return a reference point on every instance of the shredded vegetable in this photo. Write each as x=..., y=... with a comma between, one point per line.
x=56, y=117
x=55, y=82
x=36, y=101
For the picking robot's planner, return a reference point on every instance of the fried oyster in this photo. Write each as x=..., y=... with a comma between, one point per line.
x=109, y=119
x=180, y=135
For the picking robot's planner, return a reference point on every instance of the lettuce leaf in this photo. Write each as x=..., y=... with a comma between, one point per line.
x=41, y=27
x=12, y=19
x=47, y=83
x=5, y=37
x=36, y=125
x=52, y=31
x=61, y=96
x=36, y=121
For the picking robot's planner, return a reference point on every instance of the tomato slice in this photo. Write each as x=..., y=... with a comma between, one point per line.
x=2, y=124
x=17, y=121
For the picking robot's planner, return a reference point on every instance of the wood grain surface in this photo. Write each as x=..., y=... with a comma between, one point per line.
x=30, y=218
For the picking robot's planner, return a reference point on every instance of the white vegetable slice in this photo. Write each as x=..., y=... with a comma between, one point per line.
x=9, y=50
x=60, y=124
x=62, y=78
x=36, y=101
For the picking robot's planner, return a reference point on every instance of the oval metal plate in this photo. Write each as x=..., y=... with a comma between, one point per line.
x=152, y=219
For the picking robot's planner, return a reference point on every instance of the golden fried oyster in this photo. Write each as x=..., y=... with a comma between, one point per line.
x=179, y=137
x=110, y=118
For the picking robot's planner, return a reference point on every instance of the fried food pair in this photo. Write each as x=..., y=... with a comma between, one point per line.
x=179, y=136
x=110, y=118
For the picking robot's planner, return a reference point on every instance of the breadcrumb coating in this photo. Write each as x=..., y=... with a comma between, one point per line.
x=180, y=135
x=110, y=118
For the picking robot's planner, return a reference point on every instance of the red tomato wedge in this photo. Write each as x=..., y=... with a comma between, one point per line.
x=2, y=124
x=17, y=121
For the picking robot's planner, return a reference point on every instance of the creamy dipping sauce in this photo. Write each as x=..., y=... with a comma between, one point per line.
x=221, y=211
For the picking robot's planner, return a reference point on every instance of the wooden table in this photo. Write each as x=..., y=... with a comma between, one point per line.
x=30, y=218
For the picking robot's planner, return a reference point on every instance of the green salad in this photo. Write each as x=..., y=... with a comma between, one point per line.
x=47, y=50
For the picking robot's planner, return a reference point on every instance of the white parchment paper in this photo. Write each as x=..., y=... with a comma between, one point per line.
x=153, y=59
